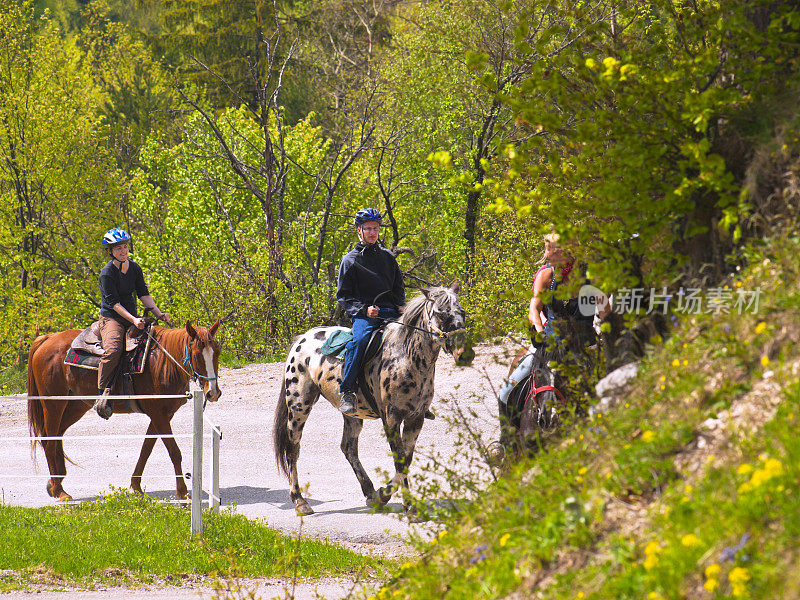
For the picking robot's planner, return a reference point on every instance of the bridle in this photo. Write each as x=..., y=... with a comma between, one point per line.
x=195, y=375
x=187, y=361
x=433, y=330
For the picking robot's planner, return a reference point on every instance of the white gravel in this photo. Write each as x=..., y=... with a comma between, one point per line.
x=249, y=480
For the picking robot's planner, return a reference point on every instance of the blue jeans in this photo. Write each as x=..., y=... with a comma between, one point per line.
x=521, y=372
x=362, y=330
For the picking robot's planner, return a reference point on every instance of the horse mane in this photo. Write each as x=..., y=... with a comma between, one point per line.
x=414, y=313
x=174, y=342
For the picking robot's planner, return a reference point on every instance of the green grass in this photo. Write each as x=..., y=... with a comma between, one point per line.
x=607, y=512
x=13, y=380
x=130, y=539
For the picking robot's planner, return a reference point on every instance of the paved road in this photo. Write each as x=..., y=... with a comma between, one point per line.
x=250, y=482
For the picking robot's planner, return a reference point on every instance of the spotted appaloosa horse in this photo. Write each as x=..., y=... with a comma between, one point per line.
x=400, y=377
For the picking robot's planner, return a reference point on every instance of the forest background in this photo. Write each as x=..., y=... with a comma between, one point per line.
x=235, y=139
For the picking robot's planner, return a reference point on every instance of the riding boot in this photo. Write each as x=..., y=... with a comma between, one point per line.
x=347, y=405
x=103, y=405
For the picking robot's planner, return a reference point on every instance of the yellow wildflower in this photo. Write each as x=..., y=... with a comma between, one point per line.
x=773, y=467
x=676, y=363
x=650, y=561
x=685, y=362
x=690, y=540
x=582, y=470
x=579, y=595
x=764, y=361
x=738, y=577
x=652, y=548
x=760, y=327
x=662, y=379
x=712, y=571
x=648, y=436
x=504, y=539
x=654, y=596
x=744, y=469
x=710, y=585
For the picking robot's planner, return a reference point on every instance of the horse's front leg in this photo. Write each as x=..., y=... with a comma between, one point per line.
x=402, y=445
x=162, y=427
x=350, y=433
x=147, y=448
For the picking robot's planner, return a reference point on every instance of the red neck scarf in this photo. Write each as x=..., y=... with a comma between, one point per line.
x=567, y=270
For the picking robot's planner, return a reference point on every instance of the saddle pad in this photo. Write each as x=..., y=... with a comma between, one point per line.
x=88, y=360
x=337, y=342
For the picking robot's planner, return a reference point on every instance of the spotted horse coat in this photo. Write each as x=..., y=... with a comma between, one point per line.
x=400, y=377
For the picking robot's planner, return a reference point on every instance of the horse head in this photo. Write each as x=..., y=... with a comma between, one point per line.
x=447, y=319
x=203, y=358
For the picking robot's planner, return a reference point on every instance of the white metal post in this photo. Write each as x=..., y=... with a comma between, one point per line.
x=197, y=464
x=216, y=438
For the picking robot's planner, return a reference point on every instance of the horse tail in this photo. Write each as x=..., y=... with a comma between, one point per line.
x=280, y=433
x=35, y=410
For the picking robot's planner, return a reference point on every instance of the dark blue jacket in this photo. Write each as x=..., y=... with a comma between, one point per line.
x=365, y=273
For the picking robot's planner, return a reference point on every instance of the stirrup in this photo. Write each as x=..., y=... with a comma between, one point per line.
x=103, y=405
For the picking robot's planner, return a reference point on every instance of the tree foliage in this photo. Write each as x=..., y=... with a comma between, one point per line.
x=654, y=135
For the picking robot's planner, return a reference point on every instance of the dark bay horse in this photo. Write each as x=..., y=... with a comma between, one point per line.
x=558, y=384
x=49, y=376
x=400, y=377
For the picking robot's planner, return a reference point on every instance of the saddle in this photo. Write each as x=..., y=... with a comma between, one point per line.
x=336, y=345
x=86, y=350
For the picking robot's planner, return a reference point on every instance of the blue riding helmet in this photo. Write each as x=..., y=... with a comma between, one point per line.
x=367, y=214
x=115, y=236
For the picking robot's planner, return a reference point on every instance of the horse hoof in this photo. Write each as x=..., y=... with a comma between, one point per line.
x=303, y=509
x=413, y=515
x=384, y=495
x=496, y=453
x=64, y=497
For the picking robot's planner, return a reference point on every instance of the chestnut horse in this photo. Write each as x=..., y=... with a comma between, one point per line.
x=194, y=348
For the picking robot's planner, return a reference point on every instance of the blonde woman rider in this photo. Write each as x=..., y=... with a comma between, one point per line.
x=546, y=279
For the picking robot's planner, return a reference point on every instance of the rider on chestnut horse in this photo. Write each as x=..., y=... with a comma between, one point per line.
x=120, y=279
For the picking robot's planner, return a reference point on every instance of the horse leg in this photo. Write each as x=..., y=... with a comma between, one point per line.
x=175, y=455
x=350, y=433
x=402, y=445
x=54, y=449
x=147, y=448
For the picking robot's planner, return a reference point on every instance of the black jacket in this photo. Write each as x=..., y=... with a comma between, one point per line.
x=118, y=287
x=365, y=273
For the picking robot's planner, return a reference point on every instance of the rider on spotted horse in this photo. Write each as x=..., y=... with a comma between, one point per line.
x=371, y=291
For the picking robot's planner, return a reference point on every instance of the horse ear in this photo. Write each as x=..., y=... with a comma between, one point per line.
x=426, y=292
x=191, y=330
x=213, y=329
x=456, y=287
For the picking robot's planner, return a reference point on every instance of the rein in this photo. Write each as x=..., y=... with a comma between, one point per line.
x=194, y=375
x=437, y=333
